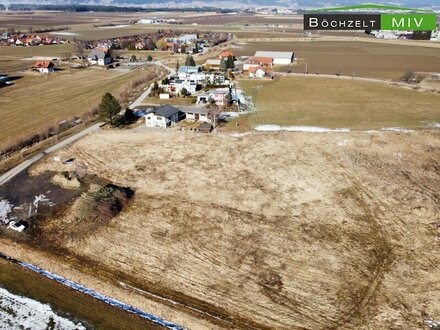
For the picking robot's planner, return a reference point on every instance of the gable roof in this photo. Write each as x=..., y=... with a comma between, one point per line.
x=264, y=60
x=98, y=54
x=285, y=55
x=226, y=53
x=166, y=111
x=43, y=64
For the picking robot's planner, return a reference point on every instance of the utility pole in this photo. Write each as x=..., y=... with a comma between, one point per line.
x=307, y=67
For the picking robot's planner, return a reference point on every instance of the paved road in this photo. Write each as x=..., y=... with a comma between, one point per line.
x=25, y=164
x=145, y=94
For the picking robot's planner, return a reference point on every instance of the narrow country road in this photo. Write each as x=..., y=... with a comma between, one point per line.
x=25, y=164
x=147, y=92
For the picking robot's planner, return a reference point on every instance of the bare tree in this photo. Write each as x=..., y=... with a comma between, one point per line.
x=78, y=48
x=214, y=112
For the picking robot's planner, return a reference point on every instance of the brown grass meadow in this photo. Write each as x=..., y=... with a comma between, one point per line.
x=359, y=58
x=338, y=102
x=267, y=230
x=37, y=101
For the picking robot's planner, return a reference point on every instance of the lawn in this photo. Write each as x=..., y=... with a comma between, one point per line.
x=336, y=103
x=36, y=102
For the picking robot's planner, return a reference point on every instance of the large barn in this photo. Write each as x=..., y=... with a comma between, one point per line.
x=278, y=57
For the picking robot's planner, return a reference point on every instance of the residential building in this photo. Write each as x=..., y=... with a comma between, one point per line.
x=196, y=114
x=219, y=96
x=186, y=71
x=225, y=54
x=100, y=56
x=44, y=66
x=279, y=58
x=163, y=117
x=260, y=72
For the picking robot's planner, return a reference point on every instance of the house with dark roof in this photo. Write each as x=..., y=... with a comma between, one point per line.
x=99, y=56
x=163, y=117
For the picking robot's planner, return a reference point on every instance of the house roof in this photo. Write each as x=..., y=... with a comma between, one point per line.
x=166, y=111
x=213, y=62
x=264, y=60
x=188, y=69
x=43, y=64
x=98, y=54
x=285, y=55
x=198, y=110
x=252, y=60
x=226, y=53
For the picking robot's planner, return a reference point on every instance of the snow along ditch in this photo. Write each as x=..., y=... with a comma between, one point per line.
x=17, y=312
x=315, y=129
x=94, y=294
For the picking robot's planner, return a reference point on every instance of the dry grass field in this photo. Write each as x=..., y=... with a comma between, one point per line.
x=270, y=231
x=23, y=20
x=363, y=59
x=338, y=102
x=11, y=58
x=37, y=101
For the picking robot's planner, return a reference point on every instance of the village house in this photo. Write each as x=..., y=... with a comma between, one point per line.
x=196, y=114
x=226, y=54
x=260, y=72
x=219, y=96
x=186, y=71
x=99, y=56
x=163, y=117
x=44, y=66
x=176, y=85
x=256, y=62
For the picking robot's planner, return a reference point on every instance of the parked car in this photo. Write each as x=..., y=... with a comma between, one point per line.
x=17, y=226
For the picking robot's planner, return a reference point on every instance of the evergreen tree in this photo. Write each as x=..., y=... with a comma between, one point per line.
x=109, y=108
x=190, y=61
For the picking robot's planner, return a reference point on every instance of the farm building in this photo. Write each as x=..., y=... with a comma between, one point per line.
x=282, y=58
x=163, y=117
x=99, y=56
x=44, y=66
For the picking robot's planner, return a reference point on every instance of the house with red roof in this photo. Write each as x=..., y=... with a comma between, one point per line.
x=44, y=66
x=226, y=54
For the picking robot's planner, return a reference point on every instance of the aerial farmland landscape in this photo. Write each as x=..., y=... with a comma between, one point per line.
x=219, y=166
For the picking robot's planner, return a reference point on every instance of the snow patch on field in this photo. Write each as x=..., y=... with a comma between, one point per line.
x=23, y=313
x=5, y=209
x=397, y=129
x=64, y=33
x=307, y=129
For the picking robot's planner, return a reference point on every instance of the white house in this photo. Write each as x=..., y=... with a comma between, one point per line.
x=163, y=117
x=196, y=114
x=44, y=66
x=280, y=58
x=177, y=85
x=99, y=56
x=186, y=71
